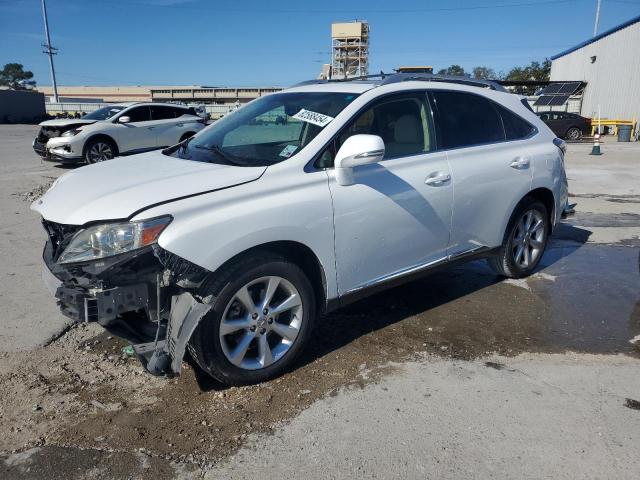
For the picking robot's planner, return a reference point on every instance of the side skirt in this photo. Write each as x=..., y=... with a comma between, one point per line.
x=410, y=275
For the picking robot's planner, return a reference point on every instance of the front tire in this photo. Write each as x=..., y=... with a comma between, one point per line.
x=262, y=316
x=99, y=150
x=525, y=240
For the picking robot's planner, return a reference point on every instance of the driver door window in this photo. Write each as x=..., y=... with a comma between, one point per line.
x=403, y=123
x=138, y=114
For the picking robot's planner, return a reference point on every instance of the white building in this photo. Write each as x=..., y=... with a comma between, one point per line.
x=610, y=65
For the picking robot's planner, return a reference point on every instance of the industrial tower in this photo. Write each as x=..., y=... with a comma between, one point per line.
x=350, y=49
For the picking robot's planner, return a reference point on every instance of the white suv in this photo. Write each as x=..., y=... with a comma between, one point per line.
x=231, y=243
x=114, y=130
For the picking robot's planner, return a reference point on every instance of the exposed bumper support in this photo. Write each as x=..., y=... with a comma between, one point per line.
x=125, y=293
x=186, y=313
x=165, y=356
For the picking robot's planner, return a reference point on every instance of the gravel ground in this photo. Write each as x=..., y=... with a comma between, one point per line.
x=457, y=375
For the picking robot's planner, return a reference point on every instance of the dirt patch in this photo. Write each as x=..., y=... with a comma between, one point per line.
x=36, y=192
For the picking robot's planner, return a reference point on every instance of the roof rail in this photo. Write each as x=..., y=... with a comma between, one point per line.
x=387, y=78
x=308, y=82
x=432, y=77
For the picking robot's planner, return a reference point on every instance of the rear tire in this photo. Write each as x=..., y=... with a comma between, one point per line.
x=524, y=241
x=263, y=309
x=573, y=133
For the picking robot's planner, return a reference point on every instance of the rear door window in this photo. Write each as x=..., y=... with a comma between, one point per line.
x=464, y=119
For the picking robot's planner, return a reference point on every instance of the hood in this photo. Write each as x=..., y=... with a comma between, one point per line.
x=117, y=188
x=65, y=122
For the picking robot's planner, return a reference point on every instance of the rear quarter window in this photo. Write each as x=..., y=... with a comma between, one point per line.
x=465, y=119
x=515, y=127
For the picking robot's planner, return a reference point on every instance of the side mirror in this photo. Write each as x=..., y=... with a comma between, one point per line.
x=124, y=119
x=357, y=150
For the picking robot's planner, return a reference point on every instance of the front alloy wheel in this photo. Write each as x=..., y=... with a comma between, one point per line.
x=261, y=323
x=263, y=308
x=99, y=151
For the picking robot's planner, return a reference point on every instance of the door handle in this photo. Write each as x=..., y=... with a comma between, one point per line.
x=150, y=128
x=520, y=162
x=436, y=179
x=180, y=125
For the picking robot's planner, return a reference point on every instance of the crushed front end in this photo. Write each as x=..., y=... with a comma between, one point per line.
x=147, y=295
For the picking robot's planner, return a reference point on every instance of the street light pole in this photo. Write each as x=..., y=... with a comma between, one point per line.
x=595, y=26
x=50, y=51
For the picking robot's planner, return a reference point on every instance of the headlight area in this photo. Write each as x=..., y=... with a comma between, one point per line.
x=71, y=133
x=106, y=240
x=117, y=275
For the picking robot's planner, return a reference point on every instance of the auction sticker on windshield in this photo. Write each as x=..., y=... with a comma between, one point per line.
x=316, y=118
x=288, y=151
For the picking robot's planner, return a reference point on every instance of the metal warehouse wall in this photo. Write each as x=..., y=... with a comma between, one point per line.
x=613, y=80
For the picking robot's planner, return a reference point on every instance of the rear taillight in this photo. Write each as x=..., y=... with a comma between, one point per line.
x=561, y=144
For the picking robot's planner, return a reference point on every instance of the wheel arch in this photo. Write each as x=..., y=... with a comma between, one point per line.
x=545, y=196
x=186, y=135
x=97, y=136
x=298, y=253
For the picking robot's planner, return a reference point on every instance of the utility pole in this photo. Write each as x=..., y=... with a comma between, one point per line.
x=595, y=26
x=50, y=51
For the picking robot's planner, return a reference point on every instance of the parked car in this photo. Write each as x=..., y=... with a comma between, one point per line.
x=231, y=243
x=121, y=129
x=567, y=125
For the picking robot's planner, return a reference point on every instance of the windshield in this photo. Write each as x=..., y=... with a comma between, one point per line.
x=103, y=113
x=267, y=131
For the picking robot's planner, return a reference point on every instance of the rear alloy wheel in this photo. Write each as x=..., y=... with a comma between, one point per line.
x=99, y=151
x=262, y=315
x=525, y=240
x=573, y=133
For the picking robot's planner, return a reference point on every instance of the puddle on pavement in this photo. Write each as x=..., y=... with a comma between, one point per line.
x=586, y=298
x=586, y=219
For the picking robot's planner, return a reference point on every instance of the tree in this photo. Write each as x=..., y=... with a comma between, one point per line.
x=453, y=70
x=484, y=73
x=535, y=71
x=15, y=77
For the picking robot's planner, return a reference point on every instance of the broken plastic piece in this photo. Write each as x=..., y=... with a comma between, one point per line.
x=186, y=313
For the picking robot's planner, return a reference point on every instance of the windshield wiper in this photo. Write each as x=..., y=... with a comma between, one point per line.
x=183, y=144
x=233, y=160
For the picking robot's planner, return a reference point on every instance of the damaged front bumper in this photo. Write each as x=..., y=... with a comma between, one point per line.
x=148, y=296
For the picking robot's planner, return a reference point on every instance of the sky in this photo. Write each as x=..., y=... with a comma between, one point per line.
x=281, y=42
